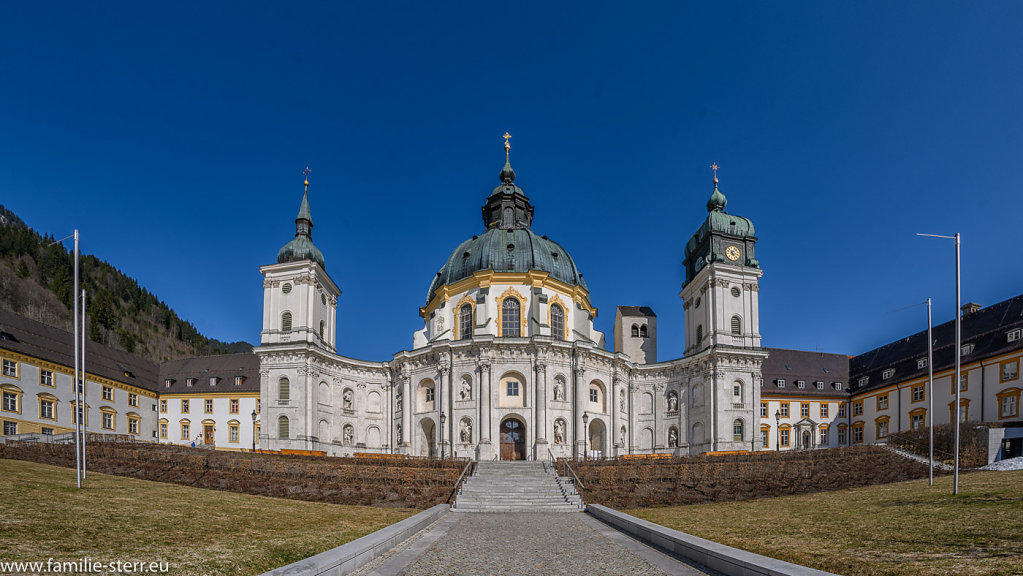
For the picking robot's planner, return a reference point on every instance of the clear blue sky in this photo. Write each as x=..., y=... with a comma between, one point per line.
x=173, y=136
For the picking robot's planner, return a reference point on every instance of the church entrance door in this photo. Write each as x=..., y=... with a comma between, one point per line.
x=806, y=440
x=513, y=440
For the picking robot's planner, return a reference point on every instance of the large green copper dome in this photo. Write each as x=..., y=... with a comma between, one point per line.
x=508, y=244
x=504, y=250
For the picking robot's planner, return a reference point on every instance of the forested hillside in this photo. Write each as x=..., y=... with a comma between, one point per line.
x=36, y=280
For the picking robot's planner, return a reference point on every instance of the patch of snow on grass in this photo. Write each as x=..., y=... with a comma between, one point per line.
x=1008, y=464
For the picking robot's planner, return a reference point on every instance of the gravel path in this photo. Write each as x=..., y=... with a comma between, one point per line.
x=527, y=544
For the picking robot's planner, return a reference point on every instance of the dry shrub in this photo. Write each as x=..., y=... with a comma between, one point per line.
x=972, y=443
x=636, y=483
x=412, y=483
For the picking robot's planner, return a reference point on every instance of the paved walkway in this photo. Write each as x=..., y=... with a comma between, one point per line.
x=527, y=544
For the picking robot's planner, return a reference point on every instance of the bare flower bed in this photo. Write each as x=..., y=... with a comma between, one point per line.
x=412, y=483
x=638, y=483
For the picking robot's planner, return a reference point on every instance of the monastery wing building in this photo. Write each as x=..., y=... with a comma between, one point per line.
x=508, y=364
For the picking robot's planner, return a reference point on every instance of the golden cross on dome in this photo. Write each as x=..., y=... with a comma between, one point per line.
x=507, y=145
x=715, y=167
x=306, y=174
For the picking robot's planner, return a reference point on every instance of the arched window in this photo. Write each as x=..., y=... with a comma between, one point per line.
x=736, y=325
x=642, y=331
x=286, y=322
x=699, y=334
x=284, y=390
x=511, y=321
x=508, y=218
x=465, y=322
x=635, y=331
x=737, y=392
x=558, y=322
x=283, y=428
x=737, y=430
x=321, y=329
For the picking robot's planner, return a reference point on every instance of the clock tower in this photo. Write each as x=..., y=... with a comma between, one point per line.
x=721, y=291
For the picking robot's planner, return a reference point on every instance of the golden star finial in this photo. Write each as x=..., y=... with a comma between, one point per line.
x=715, y=167
x=507, y=145
x=305, y=173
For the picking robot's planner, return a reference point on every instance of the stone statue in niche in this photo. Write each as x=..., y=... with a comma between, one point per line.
x=397, y=402
x=559, y=390
x=621, y=402
x=673, y=438
x=465, y=392
x=349, y=436
x=397, y=433
x=559, y=431
x=349, y=400
x=465, y=434
x=621, y=436
x=672, y=402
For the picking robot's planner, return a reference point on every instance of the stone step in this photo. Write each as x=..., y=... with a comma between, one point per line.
x=516, y=487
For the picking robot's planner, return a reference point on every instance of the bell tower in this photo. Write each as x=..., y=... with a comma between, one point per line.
x=721, y=291
x=299, y=298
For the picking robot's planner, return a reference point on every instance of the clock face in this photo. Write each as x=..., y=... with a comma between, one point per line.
x=732, y=253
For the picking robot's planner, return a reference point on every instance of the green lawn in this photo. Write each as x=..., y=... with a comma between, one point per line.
x=902, y=528
x=43, y=515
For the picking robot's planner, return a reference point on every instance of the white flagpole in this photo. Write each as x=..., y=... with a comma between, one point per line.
x=958, y=353
x=930, y=392
x=84, y=386
x=79, y=414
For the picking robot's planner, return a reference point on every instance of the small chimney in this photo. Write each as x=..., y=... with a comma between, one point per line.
x=970, y=308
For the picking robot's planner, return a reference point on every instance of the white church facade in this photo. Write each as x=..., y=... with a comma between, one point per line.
x=508, y=364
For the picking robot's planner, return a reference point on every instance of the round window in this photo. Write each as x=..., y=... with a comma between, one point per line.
x=736, y=291
x=286, y=288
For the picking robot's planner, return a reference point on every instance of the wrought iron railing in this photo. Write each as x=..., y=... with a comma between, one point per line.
x=469, y=470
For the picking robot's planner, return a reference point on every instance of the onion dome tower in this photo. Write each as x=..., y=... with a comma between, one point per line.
x=721, y=291
x=299, y=298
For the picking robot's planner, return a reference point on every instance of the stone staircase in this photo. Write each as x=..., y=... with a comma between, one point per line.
x=517, y=487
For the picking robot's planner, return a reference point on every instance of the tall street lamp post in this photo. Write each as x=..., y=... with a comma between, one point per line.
x=443, y=419
x=253, y=430
x=586, y=429
x=958, y=355
x=777, y=430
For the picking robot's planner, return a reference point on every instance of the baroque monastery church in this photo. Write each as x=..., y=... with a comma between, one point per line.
x=508, y=364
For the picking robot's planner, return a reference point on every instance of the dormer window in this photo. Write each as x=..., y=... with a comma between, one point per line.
x=819, y=385
x=167, y=383
x=190, y=382
x=781, y=383
x=238, y=380
x=921, y=363
x=966, y=349
x=800, y=384
x=213, y=380
x=863, y=381
x=888, y=373
x=838, y=385
x=1014, y=335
